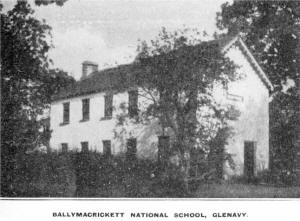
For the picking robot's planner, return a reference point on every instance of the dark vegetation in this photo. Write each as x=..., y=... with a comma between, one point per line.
x=27, y=83
x=90, y=174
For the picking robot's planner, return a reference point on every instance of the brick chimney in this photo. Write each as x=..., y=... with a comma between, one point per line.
x=88, y=67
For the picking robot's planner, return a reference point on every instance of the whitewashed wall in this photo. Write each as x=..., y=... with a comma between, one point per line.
x=97, y=129
x=253, y=124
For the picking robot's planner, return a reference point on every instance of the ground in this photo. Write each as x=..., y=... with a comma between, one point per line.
x=245, y=191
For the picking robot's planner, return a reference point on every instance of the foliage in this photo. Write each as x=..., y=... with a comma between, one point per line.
x=180, y=72
x=272, y=30
x=175, y=85
x=47, y=2
x=27, y=83
x=284, y=114
x=75, y=174
x=89, y=174
x=43, y=175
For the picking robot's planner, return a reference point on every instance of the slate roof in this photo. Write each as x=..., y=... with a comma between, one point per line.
x=120, y=78
x=117, y=78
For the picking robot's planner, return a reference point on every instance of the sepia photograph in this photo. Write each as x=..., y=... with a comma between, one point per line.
x=160, y=99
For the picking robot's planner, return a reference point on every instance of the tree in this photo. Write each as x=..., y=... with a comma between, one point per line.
x=272, y=30
x=26, y=85
x=177, y=79
x=47, y=2
x=285, y=120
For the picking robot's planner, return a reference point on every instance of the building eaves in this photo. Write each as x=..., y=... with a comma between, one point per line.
x=121, y=77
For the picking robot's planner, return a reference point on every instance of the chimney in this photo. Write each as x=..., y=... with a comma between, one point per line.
x=87, y=68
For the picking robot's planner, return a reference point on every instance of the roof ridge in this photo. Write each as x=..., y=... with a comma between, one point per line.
x=118, y=77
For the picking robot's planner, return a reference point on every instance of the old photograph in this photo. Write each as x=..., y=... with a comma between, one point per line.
x=150, y=99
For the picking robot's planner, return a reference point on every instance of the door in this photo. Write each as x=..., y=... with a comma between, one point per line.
x=249, y=159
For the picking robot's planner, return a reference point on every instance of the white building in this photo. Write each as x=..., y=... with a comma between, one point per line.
x=85, y=116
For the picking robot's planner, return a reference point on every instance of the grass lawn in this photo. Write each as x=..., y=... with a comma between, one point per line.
x=245, y=191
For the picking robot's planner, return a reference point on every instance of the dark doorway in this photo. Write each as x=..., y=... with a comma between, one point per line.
x=249, y=159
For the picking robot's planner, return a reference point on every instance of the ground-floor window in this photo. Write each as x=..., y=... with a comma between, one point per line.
x=163, y=149
x=64, y=147
x=84, y=146
x=106, y=147
x=131, y=148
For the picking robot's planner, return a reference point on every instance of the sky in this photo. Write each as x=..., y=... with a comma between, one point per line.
x=107, y=31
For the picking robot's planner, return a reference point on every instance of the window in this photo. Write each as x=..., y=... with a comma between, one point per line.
x=163, y=148
x=64, y=147
x=108, y=105
x=133, y=103
x=107, y=147
x=66, y=113
x=85, y=109
x=84, y=146
x=131, y=148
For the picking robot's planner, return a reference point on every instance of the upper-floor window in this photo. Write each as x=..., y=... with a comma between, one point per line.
x=85, y=109
x=108, y=105
x=133, y=103
x=66, y=113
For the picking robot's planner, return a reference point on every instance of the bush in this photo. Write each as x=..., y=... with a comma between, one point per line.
x=90, y=174
x=46, y=175
x=169, y=182
x=76, y=174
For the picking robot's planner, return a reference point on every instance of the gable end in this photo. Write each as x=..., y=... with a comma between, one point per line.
x=237, y=41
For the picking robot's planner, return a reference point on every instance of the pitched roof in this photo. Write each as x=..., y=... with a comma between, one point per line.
x=120, y=78
x=117, y=78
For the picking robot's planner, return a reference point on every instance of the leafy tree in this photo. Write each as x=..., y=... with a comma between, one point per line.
x=178, y=74
x=27, y=84
x=272, y=30
x=47, y=2
x=285, y=120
